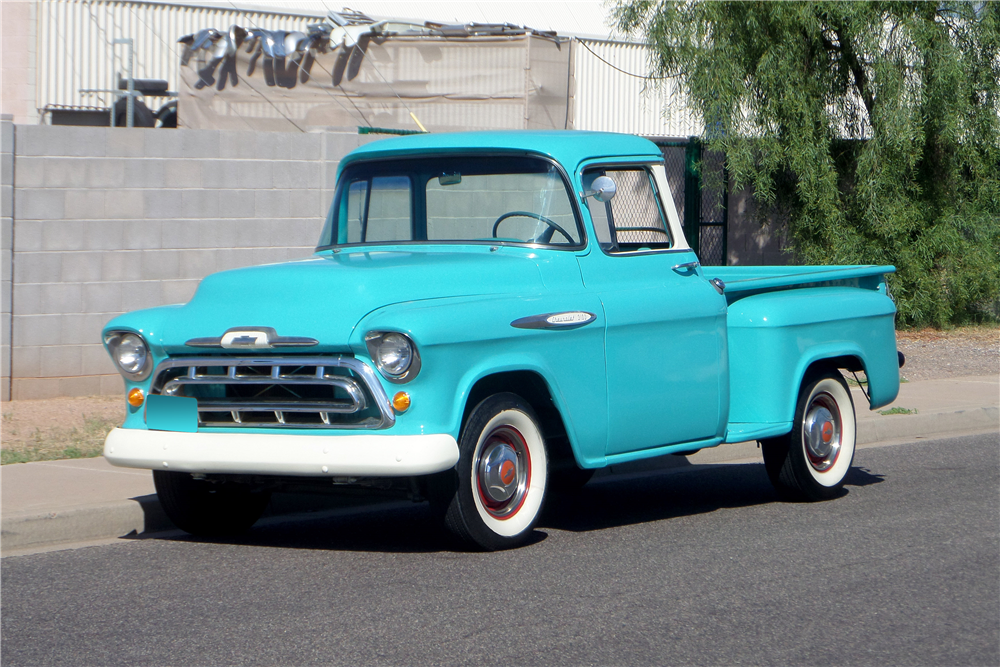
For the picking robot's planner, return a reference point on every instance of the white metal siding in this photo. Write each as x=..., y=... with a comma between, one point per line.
x=622, y=99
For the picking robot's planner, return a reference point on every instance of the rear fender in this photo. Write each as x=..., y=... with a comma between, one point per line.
x=775, y=338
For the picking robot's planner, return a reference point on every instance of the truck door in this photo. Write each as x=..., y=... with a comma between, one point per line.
x=667, y=364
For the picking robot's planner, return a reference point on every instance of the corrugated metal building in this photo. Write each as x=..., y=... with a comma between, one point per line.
x=75, y=50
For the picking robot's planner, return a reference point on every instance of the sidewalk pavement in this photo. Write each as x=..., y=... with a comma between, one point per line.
x=54, y=503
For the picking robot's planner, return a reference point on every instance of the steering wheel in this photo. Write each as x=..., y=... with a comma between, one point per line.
x=545, y=236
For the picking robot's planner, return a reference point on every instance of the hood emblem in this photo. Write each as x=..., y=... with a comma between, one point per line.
x=252, y=338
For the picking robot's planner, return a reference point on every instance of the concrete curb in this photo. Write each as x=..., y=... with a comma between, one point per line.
x=83, y=524
x=893, y=427
x=143, y=514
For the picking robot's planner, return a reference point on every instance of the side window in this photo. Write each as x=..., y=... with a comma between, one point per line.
x=378, y=209
x=633, y=219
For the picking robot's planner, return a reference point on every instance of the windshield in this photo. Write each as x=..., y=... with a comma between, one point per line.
x=460, y=199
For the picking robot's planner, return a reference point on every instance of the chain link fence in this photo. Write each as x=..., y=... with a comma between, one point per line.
x=698, y=182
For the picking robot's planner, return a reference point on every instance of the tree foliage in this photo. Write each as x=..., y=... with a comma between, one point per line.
x=875, y=126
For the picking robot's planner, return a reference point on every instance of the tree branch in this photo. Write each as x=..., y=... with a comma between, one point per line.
x=854, y=64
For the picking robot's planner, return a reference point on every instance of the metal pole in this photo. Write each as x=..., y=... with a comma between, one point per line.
x=692, y=193
x=130, y=104
x=725, y=214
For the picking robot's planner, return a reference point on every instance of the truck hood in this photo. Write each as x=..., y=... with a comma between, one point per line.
x=325, y=297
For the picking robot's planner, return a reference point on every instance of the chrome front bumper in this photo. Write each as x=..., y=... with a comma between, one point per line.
x=366, y=455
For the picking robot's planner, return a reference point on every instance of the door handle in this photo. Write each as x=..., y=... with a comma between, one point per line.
x=686, y=266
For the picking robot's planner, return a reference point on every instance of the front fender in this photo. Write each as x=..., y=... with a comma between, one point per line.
x=462, y=340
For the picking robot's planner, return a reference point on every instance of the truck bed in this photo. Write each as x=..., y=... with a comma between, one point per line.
x=783, y=318
x=743, y=281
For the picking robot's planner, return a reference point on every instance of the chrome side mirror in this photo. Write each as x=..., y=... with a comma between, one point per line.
x=604, y=189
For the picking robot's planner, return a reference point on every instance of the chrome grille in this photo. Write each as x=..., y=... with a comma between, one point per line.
x=278, y=392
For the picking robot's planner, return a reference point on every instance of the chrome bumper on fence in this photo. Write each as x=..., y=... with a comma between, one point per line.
x=373, y=455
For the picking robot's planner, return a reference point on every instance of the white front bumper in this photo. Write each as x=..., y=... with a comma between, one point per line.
x=282, y=454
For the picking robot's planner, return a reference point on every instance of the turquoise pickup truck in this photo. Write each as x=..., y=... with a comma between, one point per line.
x=487, y=316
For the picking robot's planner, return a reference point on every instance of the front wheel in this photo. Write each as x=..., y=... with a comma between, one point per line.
x=502, y=474
x=811, y=462
x=209, y=508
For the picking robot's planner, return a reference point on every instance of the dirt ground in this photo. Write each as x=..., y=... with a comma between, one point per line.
x=932, y=354
x=57, y=428
x=75, y=427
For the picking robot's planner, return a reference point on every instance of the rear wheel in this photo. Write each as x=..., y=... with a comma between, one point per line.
x=811, y=462
x=209, y=508
x=502, y=474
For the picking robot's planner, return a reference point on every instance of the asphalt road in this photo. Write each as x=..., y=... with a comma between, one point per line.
x=701, y=565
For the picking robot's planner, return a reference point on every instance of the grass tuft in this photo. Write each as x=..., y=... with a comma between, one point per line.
x=60, y=443
x=898, y=411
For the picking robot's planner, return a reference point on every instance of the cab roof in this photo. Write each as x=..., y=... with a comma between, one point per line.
x=567, y=147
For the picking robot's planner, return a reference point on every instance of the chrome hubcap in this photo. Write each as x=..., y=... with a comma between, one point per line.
x=821, y=432
x=502, y=472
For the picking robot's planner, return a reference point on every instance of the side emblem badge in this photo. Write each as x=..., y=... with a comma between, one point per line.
x=567, y=320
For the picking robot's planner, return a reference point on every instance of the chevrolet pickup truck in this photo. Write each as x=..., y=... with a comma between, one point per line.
x=488, y=315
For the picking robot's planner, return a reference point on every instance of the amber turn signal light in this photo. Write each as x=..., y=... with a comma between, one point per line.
x=136, y=397
x=401, y=401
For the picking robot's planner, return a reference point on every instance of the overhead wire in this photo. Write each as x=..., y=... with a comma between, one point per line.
x=346, y=94
x=55, y=22
x=619, y=69
x=330, y=74
x=170, y=47
x=315, y=62
x=110, y=42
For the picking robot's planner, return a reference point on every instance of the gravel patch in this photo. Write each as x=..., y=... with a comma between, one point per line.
x=935, y=355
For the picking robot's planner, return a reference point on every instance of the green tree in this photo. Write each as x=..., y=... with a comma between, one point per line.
x=874, y=126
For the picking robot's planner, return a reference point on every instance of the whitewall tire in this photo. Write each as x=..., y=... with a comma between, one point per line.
x=502, y=475
x=812, y=461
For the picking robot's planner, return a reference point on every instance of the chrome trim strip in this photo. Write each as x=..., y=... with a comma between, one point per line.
x=570, y=319
x=337, y=407
x=271, y=339
x=281, y=341
x=686, y=266
x=359, y=368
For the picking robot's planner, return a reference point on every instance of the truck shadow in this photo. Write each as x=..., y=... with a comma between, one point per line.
x=619, y=500
x=608, y=501
x=614, y=500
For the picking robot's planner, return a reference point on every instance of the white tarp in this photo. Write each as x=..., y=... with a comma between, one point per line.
x=515, y=81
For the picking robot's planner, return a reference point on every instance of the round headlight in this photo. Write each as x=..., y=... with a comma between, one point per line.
x=131, y=353
x=394, y=354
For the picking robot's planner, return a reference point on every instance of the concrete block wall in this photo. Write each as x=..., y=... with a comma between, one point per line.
x=108, y=220
x=6, y=247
